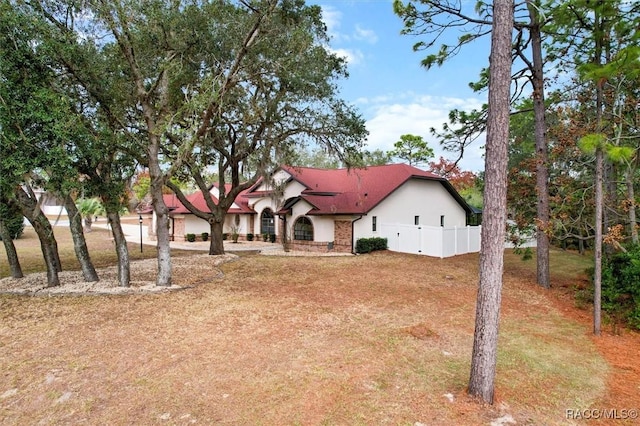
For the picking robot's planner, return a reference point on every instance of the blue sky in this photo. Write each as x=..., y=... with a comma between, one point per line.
x=388, y=86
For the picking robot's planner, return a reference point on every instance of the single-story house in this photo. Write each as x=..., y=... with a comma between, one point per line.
x=330, y=209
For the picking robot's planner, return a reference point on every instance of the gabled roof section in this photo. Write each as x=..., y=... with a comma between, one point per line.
x=241, y=204
x=358, y=190
x=171, y=201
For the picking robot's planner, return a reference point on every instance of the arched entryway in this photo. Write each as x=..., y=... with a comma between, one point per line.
x=267, y=222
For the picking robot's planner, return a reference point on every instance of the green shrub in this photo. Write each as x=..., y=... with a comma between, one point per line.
x=367, y=245
x=205, y=236
x=272, y=238
x=265, y=237
x=621, y=286
x=225, y=235
x=190, y=237
x=249, y=237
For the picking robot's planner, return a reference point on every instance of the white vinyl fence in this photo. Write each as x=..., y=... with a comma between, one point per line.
x=435, y=241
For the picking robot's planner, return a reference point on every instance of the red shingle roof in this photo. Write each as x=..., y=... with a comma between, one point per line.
x=333, y=191
x=354, y=191
x=197, y=199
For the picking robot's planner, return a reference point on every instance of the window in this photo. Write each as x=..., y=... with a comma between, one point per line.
x=416, y=220
x=303, y=229
x=267, y=223
x=374, y=223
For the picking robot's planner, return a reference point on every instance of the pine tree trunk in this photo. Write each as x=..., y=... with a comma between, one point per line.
x=485, y=341
x=631, y=197
x=597, y=274
x=122, y=251
x=599, y=175
x=12, y=254
x=79, y=243
x=610, y=199
x=542, y=172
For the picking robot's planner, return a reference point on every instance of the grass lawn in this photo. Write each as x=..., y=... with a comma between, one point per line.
x=383, y=338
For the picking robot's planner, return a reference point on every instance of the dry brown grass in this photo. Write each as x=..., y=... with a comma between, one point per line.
x=376, y=339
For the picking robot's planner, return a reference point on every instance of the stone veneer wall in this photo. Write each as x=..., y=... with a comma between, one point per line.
x=342, y=235
x=317, y=247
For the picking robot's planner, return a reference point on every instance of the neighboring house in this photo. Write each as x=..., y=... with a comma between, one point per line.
x=330, y=209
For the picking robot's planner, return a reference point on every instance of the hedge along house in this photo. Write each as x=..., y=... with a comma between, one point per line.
x=330, y=209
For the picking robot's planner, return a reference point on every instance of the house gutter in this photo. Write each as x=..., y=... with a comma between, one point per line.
x=353, y=238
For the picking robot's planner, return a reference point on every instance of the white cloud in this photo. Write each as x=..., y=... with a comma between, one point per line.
x=366, y=35
x=390, y=118
x=353, y=57
x=332, y=18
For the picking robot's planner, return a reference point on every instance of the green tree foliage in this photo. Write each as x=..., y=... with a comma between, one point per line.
x=376, y=157
x=621, y=287
x=412, y=149
x=279, y=96
x=12, y=219
x=140, y=187
x=36, y=123
x=598, y=42
x=89, y=208
x=317, y=157
x=432, y=20
x=11, y=227
x=180, y=86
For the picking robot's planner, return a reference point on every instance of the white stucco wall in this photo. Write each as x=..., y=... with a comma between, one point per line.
x=278, y=177
x=195, y=225
x=426, y=199
x=215, y=191
x=323, y=226
x=293, y=189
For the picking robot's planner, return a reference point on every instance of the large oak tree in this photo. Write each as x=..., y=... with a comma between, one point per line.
x=275, y=94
